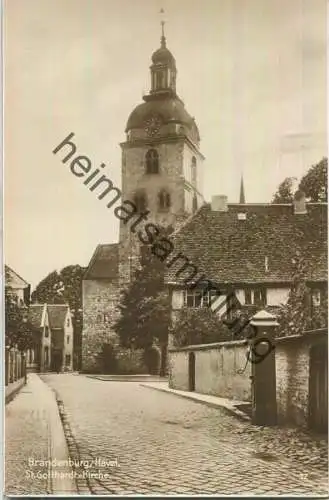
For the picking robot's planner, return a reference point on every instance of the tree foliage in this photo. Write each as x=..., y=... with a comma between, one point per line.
x=18, y=330
x=284, y=193
x=299, y=313
x=315, y=182
x=144, y=307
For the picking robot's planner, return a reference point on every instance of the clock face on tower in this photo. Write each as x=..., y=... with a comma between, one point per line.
x=152, y=125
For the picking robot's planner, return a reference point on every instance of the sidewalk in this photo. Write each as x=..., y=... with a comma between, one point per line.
x=229, y=405
x=34, y=441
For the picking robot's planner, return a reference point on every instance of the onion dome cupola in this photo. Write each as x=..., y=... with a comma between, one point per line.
x=163, y=69
x=162, y=114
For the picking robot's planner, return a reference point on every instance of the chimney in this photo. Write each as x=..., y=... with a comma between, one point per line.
x=299, y=203
x=219, y=203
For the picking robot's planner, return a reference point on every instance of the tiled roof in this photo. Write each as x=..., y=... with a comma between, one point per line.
x=228, y=250
x=104, y=263
x=57, y=314
x=36, y=314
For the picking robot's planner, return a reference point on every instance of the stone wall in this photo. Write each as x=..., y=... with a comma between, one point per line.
x=218, y=370
x=100, y=298
x=292, y=356
x=100, y=301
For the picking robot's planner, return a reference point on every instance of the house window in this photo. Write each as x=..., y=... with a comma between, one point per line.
x=46, y=356
x=164, y=200
x=260, y=297
x=316, y=297
x=106, y=318
x=256, y=296
x=67, y=339
x=68, y=322
x=247, y=297
x=199, y=298
x=67, y=359
x=140, y=201
x=152, y=162
x=188, y=298
x=46, y=331
x=193, y=171
x=99, y=318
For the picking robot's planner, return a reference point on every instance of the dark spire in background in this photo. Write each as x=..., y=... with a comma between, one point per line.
x=242, y=196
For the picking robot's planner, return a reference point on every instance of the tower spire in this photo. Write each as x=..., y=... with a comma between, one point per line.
x=242, y=196
x=163, y=38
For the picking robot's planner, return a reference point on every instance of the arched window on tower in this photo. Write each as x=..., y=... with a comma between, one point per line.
x=164, y=200
x=193, y=171
x=140, y=201
x=152, y=162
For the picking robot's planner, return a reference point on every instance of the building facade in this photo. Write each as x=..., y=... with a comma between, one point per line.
x=54, y=349
x=252, y=255
x=161, y=186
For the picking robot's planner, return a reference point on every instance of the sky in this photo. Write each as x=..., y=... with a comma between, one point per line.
x=251, y=72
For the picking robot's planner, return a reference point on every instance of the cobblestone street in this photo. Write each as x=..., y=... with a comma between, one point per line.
x=164, y=444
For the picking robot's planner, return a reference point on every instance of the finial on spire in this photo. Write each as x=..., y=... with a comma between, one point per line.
x=242, y=196
x=163, y=38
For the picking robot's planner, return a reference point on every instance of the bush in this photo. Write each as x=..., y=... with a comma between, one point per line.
x=199, y=326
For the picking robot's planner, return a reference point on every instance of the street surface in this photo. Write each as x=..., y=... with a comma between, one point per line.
x=129, y=439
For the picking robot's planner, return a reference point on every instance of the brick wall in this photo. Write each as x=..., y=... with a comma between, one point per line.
x=217, y=370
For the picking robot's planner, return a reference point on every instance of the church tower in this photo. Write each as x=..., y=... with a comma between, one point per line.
x=161, y=158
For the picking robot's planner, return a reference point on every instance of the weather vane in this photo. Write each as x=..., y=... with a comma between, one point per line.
x=163, y=22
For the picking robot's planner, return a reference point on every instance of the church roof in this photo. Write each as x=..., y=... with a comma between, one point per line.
x=170, y=108
x=163, y=56
x=104, y=263
x=261, y=247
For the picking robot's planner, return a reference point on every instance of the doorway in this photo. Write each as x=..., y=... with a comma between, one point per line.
x=191, y=371
x=56, y=360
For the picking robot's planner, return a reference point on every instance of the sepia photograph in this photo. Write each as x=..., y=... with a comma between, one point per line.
x=165, y=273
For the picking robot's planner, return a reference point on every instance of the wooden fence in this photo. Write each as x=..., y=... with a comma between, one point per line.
x=15, y=365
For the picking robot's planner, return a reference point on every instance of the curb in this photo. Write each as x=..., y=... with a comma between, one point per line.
x=232, y=411
x=62, y=475
x=127, y=378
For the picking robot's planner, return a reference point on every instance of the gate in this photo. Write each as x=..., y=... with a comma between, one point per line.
x=318, y=388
